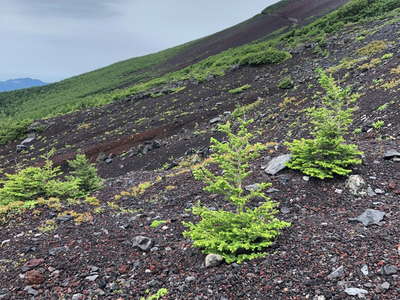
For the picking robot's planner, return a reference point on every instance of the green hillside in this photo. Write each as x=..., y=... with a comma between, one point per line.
x=20, y=108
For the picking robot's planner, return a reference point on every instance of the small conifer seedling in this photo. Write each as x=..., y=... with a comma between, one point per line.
x=327, y=153
x=245, y=233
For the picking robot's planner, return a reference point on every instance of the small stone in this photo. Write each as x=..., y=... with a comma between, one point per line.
x=370, y=217
x=370, y=192
x=319, y=297
x=78, y=297
x=213, y=260
x=385, y=286
x=338, y=191
x=356, y=184
x=92, y=278
x=389, y=270
x=285, y=210
x=33, y=263
x=123, y=269
x=391, y=154
x=252, y=187
x=34, y=277
x=65, y=218
x=5, y=242
x=379, y=191
x=272, y=190
x=57, y=250
x=31, y=291
x=338, y=273
x=306, y=178
x=356, y=292
x=365, y=270
x=143, y=243
x=190, y=279
x=277, y=164
x=215, y=120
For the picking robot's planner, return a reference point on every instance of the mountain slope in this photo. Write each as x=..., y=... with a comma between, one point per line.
x=146, y=144
x=20, y=83
x=17, y=109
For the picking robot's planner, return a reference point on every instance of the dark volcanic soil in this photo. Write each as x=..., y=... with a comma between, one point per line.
x=96, y=259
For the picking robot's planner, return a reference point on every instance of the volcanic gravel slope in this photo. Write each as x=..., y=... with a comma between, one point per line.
x=96, y=260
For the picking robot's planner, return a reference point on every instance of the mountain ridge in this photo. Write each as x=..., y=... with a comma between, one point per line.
x=20, y=83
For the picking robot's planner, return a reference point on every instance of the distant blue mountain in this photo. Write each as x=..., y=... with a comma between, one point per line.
x=20, y=83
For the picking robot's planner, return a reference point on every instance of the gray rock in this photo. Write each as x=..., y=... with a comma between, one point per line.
x=92, y=277
x=142, y=242
x=370, y=217
x=391, y=154
x=28, y=140
x=389, y=270
x=215, y=120
x=356, y=292
x=385, y=286
x=31, y=291
x=379, y=191
x=190, y=279
x=20, y=148
x=252, y=187
x=78, y=297
x=57, y=250
x=370, y=192
x=272, y=190
x=277, y=164
x=213, y=260
x=356, y=185
x=338, y=273
x=65, y=218
x=365, y=270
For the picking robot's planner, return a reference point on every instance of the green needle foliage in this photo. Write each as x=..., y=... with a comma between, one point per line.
x=89, y=181
x=245, y=233
x=327, y=153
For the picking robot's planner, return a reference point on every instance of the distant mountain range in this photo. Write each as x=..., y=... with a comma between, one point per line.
x=20, y=83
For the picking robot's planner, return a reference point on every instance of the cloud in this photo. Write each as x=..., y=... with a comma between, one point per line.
x=72, y=9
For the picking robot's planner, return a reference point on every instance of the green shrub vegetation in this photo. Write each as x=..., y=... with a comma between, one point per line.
x=378, y=124
x=31, y=183
x=240, y=89
x=286, y=83
x=160, y=293
x=245, y=233
x=19, y=108
x=327, y=153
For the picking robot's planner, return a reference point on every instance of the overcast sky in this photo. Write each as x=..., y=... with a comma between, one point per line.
x=55, y=39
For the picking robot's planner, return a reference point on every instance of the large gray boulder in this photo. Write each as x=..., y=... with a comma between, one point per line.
x=370, y=217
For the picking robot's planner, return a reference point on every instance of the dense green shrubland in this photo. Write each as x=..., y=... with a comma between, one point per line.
x=245, y=233
x=327, y=153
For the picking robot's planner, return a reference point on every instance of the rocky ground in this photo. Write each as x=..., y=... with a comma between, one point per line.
x=109, y=250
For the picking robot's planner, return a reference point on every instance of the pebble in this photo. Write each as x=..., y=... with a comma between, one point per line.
x=364, y=270
x=385, y=286
x=31, y=291
x=78, y=297
x=34, y=277
x=213, y=260
x=338, y=191
x=339, y=272
x=356, y=292
x=92, y=278
x=306, y=178
x=379, y=191
x=389, y=270
x=190, y=279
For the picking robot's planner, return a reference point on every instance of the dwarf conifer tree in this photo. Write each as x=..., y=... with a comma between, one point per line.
x=244, y=233
x=327, y=153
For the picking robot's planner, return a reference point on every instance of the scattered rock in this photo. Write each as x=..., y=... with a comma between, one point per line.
x=390, y=154
x=252, y=187
x=78, y=297
x=385, y=286
x=190, y=279
x=338, y=273
x=33, y=263
x=277, y=164
x=142, y=242
x=356, y=292
x=370, y=217
x=57, y=250
x=365, y=270
x=389, y=270
x=34, y=277
x=215, y=120
x=370, y=192
x=379, y=191
x=213, y=260
x=356, y=185
x=92, y=277
x=31, y=291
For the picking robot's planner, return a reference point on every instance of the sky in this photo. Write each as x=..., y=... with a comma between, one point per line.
x=56, y=39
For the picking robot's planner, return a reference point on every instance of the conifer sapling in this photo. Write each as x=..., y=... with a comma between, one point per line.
x=245, y=233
